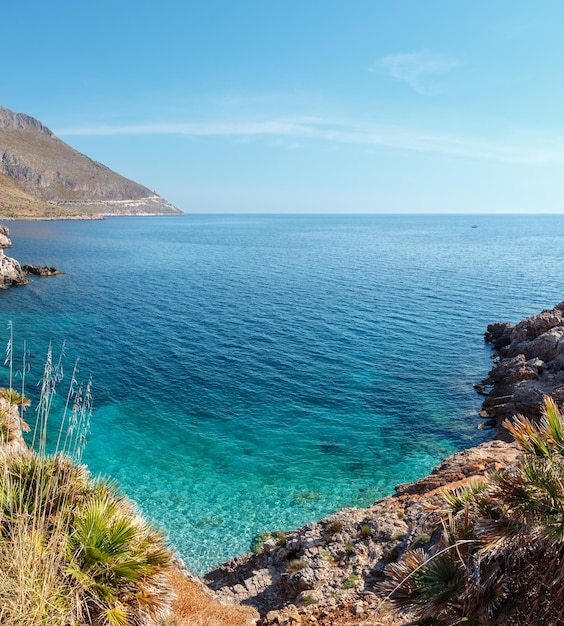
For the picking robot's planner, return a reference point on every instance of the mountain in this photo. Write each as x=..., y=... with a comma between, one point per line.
x=41, y=176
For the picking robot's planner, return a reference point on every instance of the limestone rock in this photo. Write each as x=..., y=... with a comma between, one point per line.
x=11, y=272
x=40, y=270
x=5, y=241
x=529, y=365
x=327, y=571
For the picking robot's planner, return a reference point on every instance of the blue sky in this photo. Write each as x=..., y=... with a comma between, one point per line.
x=311, y=106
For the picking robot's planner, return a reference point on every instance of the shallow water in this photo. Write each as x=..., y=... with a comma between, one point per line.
x=255, y=373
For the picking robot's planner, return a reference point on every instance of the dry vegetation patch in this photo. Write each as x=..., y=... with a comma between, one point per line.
x=194, y=607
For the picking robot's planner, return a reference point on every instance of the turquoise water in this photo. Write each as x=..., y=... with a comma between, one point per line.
x=259, y=372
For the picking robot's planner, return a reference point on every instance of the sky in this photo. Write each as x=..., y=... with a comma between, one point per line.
x=365, y=106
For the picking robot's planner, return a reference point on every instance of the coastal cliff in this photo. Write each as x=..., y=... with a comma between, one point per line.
x=43, y=177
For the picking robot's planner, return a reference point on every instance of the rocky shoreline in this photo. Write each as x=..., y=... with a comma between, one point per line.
x=12, y=273
x=528, y=364
x=328, y=572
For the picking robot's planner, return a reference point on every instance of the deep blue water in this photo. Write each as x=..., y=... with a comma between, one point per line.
x=256, y=373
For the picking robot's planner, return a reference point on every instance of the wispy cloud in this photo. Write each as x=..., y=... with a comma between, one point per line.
x=288, y=131
x=416, y=68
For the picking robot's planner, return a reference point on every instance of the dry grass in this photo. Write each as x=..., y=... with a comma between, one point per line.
x=193, y=607
x=15, y=202
x=73, y=550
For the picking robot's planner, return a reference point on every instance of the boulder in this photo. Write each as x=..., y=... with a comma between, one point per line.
x=11, y=272
x=40, y=270
x=529, y=365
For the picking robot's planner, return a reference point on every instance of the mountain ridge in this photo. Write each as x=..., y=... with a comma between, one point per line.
x=42, y=176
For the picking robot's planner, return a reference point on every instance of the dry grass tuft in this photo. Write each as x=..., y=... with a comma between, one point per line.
x=194, y=607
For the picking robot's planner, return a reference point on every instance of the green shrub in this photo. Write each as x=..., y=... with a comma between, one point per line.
x=295, y=565
x=309, y=600
x=365, y=531
x=349, y=581
x=281, y=537
x=257, y=544
x=500, y=558
x=421, y=540
x=392, y=554
x=334, y=527
x=14, y=397
x=73, y=551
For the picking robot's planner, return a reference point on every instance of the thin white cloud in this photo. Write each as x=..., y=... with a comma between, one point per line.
x=416, y=68
x=287, y=131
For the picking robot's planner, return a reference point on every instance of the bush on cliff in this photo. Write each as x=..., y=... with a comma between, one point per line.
x=501, y=554
x=74, y=551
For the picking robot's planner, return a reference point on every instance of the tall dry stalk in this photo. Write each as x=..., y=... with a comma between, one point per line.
x=72, y=550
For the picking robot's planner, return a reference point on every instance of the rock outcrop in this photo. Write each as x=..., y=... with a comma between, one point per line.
x=40, y=270
x=42, y=176
x=11, y=272
x=529, y=364
x=328, y=572
x=11, y=430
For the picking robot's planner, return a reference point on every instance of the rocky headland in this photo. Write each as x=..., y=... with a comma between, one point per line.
x=11, y=272
x=41, y=177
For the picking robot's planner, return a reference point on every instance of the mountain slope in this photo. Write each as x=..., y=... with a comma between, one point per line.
x=41, y=176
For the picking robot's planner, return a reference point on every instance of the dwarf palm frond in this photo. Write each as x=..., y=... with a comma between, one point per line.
x=15, y=397
x=505, y=541
x=459, y=498
x=116, y=558
x=531, y=437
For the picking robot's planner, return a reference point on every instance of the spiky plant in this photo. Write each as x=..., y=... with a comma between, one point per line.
x=117, y=561
x=15, y=397
x=73, y=551
x=500, y=559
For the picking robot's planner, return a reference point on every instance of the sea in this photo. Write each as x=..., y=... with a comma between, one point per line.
x=259, y=372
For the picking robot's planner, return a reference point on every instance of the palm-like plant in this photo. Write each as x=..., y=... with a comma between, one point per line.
x=115, y=558
x=73, y=550
x=501, y=554
x=15, y=397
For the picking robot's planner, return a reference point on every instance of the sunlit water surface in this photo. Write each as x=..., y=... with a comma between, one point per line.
x=255, y=373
